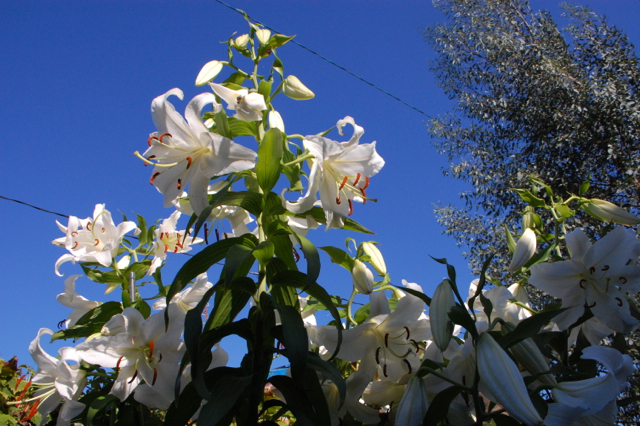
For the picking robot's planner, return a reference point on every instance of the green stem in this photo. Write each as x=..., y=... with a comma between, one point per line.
x=350, y=319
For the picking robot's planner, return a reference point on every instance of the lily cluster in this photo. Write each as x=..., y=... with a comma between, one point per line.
x=403, y=358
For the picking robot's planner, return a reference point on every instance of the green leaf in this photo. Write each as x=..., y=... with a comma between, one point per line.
x=278, y=40
x=278, y=67
x=564, y=211
x=99, y=404
x=329, y=371
x=99, y=276
x=142, y=225
x=352, y=225
x=299, y=280
x=298, y=402
x=273, y=205
x=236, y=78
x=264, y=252
x=529, y=327
x=339, y=257
x=529, y=198
x=439, y=407
x=230, y=301
x=184, y=407
x=242, y=128
x=236, y=256
x=223, y=397
x=91, y=322
x=206, y=258
x=312, y=257
x=265, y=90
x=283, y=249
x=192, y=333
x=362, y=314
x=584, y=188
x=426, y=299
x=511, y=243
x=269, y=162
x=295, y=339
x=222, y=125
x=461, y=316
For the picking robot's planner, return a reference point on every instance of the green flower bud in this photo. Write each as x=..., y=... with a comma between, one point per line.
x=377, y=261
x=275, y=120
x=441, y=326
x=294, y=89
x=208, y=72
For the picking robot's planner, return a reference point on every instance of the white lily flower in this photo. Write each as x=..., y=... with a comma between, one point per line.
x=362, y=277
x=500, y=375
x=73, y=300
x=609, y=212
x=188, y=298
x=597, y=275
x=237, y=216
x=525, y=249
x=184, y=152
x=591, y=401
x=144, y=352
x=94, y=239
x=248, y=106
x=387, y=339
x=169, y=240
x=60, y=381
x=441, y=303
x=504, y=301
x=148, y=395
x=338, y=171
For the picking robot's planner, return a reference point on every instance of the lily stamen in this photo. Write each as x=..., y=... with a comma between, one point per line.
x=355, y=182
x=155, y=376
x=619, y=301
x=163, y=135
x=350, y=207
x=153, y=177
x=151, y=139
x=378, y=355
x=179, y=184
x=344, y=181
x=135, y=374
x=189, y=161
x=408, y=365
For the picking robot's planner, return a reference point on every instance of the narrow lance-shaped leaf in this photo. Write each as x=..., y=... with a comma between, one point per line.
x=269, y=164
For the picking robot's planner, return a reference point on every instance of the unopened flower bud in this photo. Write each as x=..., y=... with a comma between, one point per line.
x=414, y=403
x=241, y=41
x=362, y=277
x=609, y=212
x=441, y=326
x=377, y=261
x=208, y=72
x=294, y=89
x=525, y=248
x=275, y=120
x=528, y=354
x=263, y=36
x=528, y=218
x=500, y=375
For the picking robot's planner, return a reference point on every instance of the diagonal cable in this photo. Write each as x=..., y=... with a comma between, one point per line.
x=327, y=60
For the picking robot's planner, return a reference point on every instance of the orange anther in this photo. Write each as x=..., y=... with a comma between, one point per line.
x=163, y=135
x=344, y=181
x=150, y=139
x=179, y=184
x=350, y=207
x=153, y=177
x=189, y=161
x=355, y=182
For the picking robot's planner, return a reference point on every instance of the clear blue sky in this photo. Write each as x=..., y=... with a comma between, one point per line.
x=77, y=81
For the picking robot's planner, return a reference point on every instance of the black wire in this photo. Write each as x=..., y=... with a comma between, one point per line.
x=34, y=207
x=328, y=60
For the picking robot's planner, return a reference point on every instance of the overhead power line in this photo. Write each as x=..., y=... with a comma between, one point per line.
x=328, y=60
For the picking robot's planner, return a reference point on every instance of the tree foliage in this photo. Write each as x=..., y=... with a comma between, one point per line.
x=532, y=99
